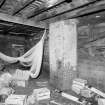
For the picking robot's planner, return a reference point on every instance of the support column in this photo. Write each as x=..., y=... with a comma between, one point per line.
x=63, y=53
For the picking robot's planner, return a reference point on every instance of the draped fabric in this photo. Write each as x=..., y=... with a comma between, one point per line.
x=31, y=58
x=7, y=58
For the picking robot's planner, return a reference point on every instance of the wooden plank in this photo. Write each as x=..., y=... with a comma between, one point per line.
x=19, y=20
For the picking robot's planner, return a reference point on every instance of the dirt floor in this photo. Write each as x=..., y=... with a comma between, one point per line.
x=36, y=83
x=55, y=97
x=33, y=84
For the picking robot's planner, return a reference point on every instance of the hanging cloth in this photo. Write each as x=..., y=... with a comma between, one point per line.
x=31, y=58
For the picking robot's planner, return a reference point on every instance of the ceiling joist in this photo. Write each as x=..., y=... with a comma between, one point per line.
x=45, y=10
x=14, y=19
x=5, y=24
x=2, y=3
x=71, y=10
x=89, y=13
x=24, y=6
x=18, y=33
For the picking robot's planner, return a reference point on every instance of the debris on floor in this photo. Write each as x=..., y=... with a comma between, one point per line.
x=71, y=97
x=55, y=103
x=97, y=92
x=43, y=94
x=21, y=77
x=5, y=79
x=101, y=101
x=15, y=100
x=6, y=91
x=42, y=83
x=78, y=85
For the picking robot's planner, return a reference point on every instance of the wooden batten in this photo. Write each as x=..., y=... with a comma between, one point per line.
x=63, y=53
x=20, y=20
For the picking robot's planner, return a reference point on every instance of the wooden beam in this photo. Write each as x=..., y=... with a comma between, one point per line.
x=24, y=6
x=6, y=24
x=71, y=10
x=2, y=3
x=15, y=33
x=14, y=19
x=20, y=38
x=45, y=10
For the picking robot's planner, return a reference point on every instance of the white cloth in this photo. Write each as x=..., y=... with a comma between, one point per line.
x=31, y=58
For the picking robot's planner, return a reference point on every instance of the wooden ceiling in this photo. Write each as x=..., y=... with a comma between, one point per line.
x=9, y=28
x=39, y=11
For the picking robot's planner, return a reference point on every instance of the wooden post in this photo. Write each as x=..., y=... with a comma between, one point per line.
x=63, y=53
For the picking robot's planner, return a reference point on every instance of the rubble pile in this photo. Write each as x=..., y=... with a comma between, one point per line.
x=84, y=93
x=88, y=95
